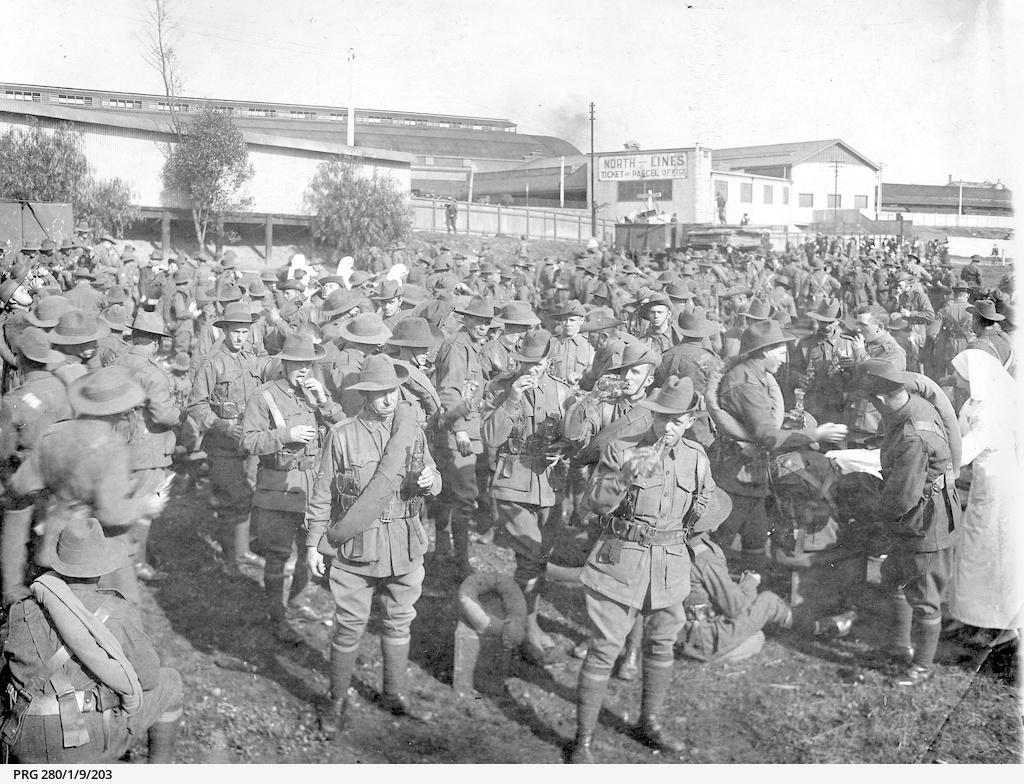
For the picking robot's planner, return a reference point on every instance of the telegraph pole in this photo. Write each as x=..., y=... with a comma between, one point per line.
x=593, y=196
x=835, y=197
x=351, y=117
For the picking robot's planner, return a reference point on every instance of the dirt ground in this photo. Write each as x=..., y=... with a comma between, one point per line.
x=802, y=699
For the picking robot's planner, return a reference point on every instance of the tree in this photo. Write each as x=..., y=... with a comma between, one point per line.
x=209, y=166
x=161, y=55
x=42, y=165
x=37, y=165
x=110, y=205
x=354, y=212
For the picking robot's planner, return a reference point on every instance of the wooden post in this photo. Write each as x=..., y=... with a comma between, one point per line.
x=528, y=222
x=467, y=217
x=499, y=220
x=268, y=238
x=165, y=232
x=579, y=227
x=433, y=215
x=554, y=226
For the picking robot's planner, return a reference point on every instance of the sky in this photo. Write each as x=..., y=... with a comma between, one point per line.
x=921, y=87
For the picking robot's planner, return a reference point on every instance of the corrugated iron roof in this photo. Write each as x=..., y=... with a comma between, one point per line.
x=788, y=154
x=161, y=125
x=395, y=141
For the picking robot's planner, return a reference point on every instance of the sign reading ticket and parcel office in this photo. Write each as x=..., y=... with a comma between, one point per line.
x=642, y=166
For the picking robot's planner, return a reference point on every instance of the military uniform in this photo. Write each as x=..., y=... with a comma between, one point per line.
x=45, y=731
x=919, y=507
x=223, y=385
x=459, y=379
x=956, y=328
x=344, y=368
x=722, y=615
x=496, y=359
x=386, y=557
x=523, y=432
x=284, y=479
x=691, y=360
x=84, y=297
x=741, y=468
x=639, y=566
x=86, y=466
x=920, y=314
x=570, y=358
x=826, y=364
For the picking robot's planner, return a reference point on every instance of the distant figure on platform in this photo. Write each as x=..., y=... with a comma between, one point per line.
x=745, y=220
x=450, y=213
x=720, y=201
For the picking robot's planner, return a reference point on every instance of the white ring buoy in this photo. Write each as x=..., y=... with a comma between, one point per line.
x=513, y=604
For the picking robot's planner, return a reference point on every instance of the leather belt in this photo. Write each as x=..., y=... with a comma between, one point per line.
x=642, y=533
x=47, y=705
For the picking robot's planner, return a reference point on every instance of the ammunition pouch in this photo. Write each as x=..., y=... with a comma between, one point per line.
x=696, y=613
x=226, y=409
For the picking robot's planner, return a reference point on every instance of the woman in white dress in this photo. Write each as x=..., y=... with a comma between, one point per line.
x=986, y=590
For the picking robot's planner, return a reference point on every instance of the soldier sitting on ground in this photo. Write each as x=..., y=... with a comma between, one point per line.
x=724, y=618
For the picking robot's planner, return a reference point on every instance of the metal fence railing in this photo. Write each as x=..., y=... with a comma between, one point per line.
x=493, y=219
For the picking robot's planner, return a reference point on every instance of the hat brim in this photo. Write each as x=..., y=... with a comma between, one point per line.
x=132, y=398
x=113, y=556
x=30, y=317
x=994, y=316
x=318, y=352
x=716, y=513
x=477, y=314
x=377, y=339
x=520, y=357
x=77, y=340
x=819, y=317
x=596, y=326
x=709, y=328
x=569, y=314
x=222, y=323
x=531, y=321
x=769, y=344
x=49, y=357
x=401, y=376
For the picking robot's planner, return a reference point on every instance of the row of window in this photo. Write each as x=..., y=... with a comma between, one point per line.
x=21, y=95
x=834, y=201
x=250, y=111
x=747, y=192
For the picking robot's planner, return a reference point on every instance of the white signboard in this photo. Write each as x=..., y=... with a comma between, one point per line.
x=642, y=166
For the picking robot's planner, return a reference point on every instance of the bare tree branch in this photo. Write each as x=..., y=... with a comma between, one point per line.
x=162, y=56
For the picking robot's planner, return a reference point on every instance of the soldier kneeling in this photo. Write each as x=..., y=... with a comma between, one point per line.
x=81, y=679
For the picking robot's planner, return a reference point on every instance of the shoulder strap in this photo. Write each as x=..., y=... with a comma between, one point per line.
x=275, y=412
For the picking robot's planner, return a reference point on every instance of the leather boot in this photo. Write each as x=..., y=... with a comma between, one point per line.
x=332, y=715
x=273, y=587
x=649, y=731
x=589, y=695
x=393, y=698
x=162, y=736
x=629, y=665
